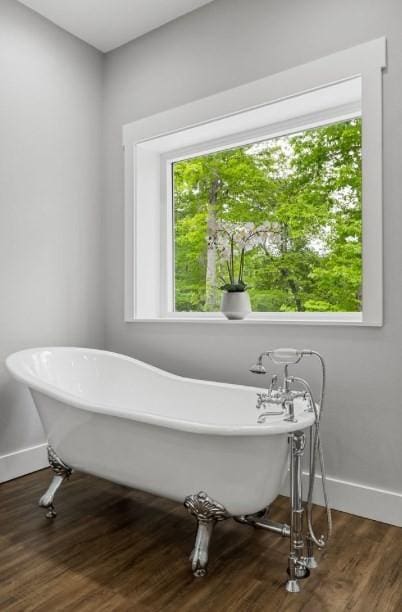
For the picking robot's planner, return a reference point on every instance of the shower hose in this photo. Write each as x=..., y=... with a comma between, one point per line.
x=316, y=453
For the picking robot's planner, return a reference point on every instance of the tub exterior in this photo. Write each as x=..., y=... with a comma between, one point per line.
x=244, y=473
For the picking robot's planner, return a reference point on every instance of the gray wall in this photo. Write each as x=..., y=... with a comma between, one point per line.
x=224, y=44
x=50, y=270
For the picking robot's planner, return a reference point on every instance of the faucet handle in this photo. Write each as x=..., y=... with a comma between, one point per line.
x=274, y=383
x=261, y=400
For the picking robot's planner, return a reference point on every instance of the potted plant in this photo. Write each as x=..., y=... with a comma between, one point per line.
x=235, y=303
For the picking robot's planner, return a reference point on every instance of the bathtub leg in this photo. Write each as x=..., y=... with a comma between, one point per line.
x=61, y=472
x=207, y=512
x=297, y=568
x=199, y=554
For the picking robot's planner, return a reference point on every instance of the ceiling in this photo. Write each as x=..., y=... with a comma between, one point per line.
x=107, y=24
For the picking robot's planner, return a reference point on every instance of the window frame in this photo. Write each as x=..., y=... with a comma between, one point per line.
x=154, y=301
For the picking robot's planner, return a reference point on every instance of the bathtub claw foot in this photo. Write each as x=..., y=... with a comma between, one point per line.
x=207, y=512
x=61, y=472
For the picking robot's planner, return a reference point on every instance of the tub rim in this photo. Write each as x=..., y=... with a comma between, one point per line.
x=276, y=426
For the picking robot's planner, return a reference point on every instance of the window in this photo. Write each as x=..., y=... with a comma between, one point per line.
x=290, y=167
x=292, y=204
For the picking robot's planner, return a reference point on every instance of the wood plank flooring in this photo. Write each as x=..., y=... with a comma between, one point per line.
x=114, y=549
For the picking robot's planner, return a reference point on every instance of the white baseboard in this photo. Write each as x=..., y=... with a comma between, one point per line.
x=23, y=462
x=370, y=502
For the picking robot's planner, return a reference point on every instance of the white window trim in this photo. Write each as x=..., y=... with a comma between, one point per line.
x=143, y=301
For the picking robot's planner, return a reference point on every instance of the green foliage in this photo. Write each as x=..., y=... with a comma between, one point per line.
x=306, y=188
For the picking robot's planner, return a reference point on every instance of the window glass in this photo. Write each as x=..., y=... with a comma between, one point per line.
x=291, y=205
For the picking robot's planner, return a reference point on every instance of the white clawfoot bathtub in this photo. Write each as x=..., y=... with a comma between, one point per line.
x=121, y=419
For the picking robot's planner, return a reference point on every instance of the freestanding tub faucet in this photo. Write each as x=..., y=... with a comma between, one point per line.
x=283, y=395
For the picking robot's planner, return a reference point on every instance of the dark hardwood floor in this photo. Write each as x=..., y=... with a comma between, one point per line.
x=112, y=548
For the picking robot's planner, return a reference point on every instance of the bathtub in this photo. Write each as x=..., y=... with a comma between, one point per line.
x=188, y=440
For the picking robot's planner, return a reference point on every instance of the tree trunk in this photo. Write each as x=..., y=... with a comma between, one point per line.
x=211, y=291
x=295, y=291
x=285, y=272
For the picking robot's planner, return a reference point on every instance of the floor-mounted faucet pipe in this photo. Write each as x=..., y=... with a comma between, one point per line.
x=297, y=567
x=287, y=357
x=280, y=528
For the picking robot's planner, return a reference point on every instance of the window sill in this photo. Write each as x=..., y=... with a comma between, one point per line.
x=338, y=319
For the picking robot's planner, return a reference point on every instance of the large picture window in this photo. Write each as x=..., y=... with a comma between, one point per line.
x=291, y=205
x=281, y=177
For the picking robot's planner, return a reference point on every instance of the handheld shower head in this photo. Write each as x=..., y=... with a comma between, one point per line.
x=286, y=356
x=258, y=368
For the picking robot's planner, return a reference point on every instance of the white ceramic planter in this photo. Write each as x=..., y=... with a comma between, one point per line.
x=235, y=304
